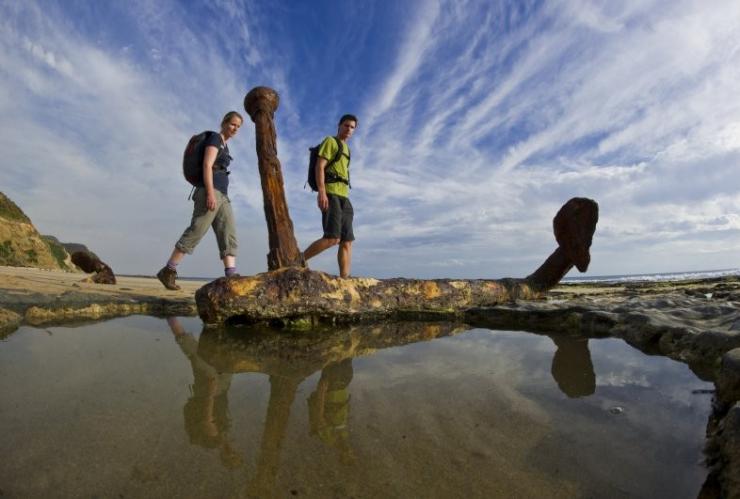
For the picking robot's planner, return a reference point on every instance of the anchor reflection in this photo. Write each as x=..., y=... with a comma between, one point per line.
x=572, y=368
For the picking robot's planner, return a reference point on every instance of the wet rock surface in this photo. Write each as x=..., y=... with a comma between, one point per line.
x=9, y=321
x=690, y=321
x=728, y=382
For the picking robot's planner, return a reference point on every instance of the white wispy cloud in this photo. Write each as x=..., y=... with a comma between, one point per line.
x=587, y=104
x=100, y=134
x=476, y=124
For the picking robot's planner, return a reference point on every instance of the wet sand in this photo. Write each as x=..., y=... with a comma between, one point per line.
x=38, y=296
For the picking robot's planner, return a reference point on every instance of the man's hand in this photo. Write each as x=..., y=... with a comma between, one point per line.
x=322, y=200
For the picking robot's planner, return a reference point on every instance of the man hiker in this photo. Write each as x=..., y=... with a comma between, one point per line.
x=333, y=196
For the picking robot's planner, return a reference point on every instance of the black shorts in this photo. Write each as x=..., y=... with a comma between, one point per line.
x=337, y=219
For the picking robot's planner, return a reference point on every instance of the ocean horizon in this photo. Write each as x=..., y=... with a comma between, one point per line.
x=656, y=276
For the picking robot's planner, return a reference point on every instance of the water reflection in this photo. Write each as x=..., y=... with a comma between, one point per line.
x=328, y=408
x=282, y=393
x=340, y=413
x=289, y=359
x=572, y=368
x=206, y=413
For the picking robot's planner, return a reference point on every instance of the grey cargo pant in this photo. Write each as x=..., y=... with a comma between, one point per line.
x=221, y=219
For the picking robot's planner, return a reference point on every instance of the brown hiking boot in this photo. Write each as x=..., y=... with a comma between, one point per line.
x=167, y=277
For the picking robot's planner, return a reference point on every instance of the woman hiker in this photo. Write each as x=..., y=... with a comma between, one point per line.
x=212, y=207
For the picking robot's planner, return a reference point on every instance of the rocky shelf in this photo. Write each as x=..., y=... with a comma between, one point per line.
x=40, y=297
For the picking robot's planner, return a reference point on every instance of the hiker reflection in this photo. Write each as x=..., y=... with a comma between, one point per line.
x=328, y=408
x=572, y=367
x=206, y=412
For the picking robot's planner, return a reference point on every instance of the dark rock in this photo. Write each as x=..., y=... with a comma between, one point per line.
x=728, y=381
x=729, y=446
x=90, y=263
x=9, y=321
x=75, y=247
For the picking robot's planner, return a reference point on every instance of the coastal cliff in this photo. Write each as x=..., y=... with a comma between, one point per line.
x=21, y=245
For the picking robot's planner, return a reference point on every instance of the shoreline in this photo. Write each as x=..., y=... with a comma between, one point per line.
x=39, y=296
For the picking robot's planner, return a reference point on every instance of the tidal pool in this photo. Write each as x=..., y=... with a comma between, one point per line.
x=151, y=407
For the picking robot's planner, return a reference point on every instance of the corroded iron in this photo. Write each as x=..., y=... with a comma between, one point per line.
x=261, y=104
x=574, y=226
x=295, y=294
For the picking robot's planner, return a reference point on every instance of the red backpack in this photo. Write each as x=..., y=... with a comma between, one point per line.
x=192, y=159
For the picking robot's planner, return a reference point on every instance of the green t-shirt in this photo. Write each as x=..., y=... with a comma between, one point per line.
x=327, y=150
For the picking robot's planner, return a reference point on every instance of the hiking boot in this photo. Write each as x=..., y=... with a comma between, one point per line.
x=167, y=277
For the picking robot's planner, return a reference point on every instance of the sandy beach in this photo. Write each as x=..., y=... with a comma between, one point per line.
x=41, y=296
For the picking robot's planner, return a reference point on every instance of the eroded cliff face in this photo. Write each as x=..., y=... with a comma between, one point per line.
x=21, y=245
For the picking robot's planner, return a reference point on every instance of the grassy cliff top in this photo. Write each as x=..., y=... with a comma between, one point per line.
x=10, y=211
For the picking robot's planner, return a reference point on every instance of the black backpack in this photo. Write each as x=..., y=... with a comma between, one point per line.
x=330, y=176
x=192, y=159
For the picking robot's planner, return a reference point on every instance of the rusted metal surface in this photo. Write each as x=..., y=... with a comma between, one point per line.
x=298, y=293
x=261, y=104
x=574, y=226
x=295, y=293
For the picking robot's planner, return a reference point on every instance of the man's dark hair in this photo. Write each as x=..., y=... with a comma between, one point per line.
x=349, y=117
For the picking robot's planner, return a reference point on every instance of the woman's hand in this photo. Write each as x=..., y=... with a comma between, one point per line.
x=211, y=200
x=209, y=158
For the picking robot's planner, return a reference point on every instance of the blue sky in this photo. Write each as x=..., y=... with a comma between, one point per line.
x=478, y=120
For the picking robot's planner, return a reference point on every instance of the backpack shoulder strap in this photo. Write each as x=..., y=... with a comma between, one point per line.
x=338, y=156
x=340, y=150
x=211, y=133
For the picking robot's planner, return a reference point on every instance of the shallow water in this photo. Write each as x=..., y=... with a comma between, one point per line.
x=148, y=407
